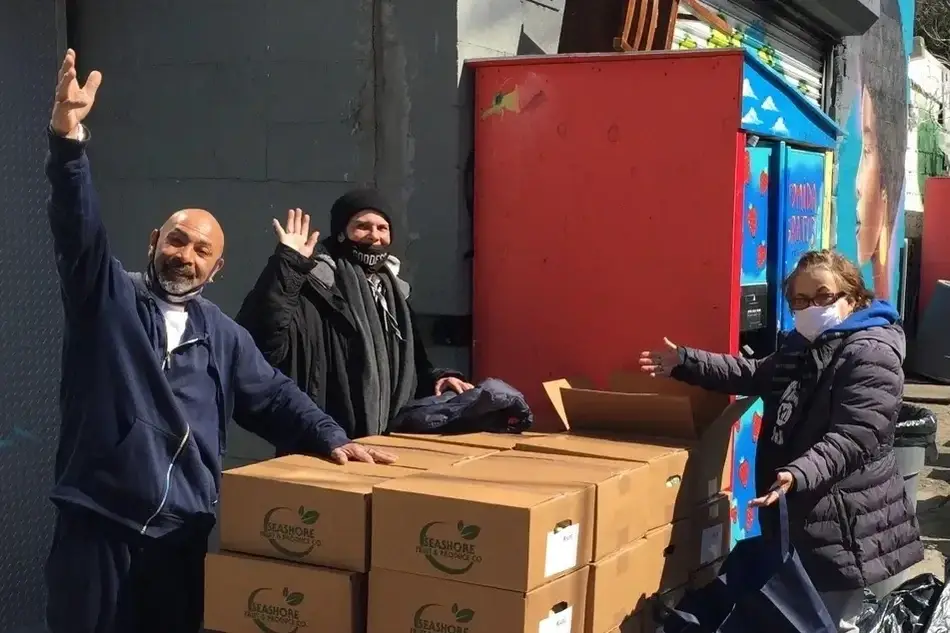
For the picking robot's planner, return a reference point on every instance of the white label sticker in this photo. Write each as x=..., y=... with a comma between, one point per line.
x=557, y=622
x=713, y=487
x=711, y=544
x=561, y=552
x=714, y=511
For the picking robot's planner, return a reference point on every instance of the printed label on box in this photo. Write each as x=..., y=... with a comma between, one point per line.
x=561, y=552
x=557, y=622
x=711, y=544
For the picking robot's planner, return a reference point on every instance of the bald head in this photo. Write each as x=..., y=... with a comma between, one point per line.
x=187, y=251
x=199, y=222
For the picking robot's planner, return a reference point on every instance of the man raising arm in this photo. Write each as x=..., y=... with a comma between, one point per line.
x=152, y=372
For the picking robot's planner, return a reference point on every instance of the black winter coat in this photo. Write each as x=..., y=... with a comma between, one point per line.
x=303, y=326
x=850, y=519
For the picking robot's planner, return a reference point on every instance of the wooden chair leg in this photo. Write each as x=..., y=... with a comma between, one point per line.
x=622, y=41
x=646, y=34
x=667, y=25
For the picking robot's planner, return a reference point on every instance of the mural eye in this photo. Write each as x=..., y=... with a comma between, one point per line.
x=498, y=98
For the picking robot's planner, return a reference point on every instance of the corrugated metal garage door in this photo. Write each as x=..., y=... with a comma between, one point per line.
x=788, y=48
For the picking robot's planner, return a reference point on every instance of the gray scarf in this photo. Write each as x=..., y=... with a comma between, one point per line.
x=382, y=318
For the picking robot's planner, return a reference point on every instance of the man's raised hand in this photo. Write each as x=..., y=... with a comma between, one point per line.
x=72, y=102
x=296, y=234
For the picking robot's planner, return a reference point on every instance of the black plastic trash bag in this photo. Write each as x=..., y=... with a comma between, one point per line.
x=917, y=427
x=940, y=611
x=907, y=609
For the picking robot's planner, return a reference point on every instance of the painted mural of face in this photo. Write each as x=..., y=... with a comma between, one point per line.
x=869, y=186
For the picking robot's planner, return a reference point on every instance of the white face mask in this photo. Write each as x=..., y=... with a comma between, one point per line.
x=815, y=320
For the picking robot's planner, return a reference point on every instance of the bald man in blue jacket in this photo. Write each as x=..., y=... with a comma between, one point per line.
x=152, y=373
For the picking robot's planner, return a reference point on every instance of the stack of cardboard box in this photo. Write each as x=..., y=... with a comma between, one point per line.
x=480, y=533
x=658, y=456
x=494, y=544
x=295, y=540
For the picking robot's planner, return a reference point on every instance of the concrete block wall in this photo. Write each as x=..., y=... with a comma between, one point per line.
x=245, y=107
x=248, y=107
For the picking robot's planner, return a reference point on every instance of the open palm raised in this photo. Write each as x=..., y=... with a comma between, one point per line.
x=296, y=233
x=72, y=102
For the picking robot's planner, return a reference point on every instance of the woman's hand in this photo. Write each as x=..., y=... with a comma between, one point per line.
x=784, y=482
x=662, y=361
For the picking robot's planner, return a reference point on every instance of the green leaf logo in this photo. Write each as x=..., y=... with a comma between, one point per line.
x=469, y=532
x=437, y=550
x=464, y=615
x=307, y=517
x=293, y=598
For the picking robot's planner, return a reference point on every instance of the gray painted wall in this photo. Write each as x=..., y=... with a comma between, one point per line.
x=248, y=107
x=244, y=107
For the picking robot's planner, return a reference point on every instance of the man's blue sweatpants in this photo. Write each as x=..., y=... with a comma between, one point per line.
x=102, y=577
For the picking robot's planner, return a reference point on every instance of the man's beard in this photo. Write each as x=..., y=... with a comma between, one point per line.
x=175, y=280
x=172, y=283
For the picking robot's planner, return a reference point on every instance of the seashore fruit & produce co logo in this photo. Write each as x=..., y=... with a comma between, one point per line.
x=275, y=611
x=447, y=552
x=435, y=618
x=291, y=533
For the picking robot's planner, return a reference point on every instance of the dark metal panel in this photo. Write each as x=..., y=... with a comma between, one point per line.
x=842, y=17
x=30, y=314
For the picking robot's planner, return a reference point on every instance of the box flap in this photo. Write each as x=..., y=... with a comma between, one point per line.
x=707, y=405
x=447, y=485
x=637, y=404
x=644, y=414
x=315, y=471
x=444, y=448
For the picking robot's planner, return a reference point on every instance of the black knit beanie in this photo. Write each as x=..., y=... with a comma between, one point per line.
x=353, y=202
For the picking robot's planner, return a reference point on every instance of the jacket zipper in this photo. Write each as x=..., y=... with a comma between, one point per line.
x=166, y=363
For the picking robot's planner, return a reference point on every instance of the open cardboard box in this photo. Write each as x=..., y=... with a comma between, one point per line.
x=642, y=410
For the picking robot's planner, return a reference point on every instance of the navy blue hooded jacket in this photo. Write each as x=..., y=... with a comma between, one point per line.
x=143, y=431
x=830, y=414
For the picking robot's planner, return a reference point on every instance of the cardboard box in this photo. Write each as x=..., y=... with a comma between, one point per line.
x=621, y=488
x=498, y=441
x=517, y=537
x=660, y=412
x=662, y=482
x=711, y=532
x=407, y=603
x=666, y=561
x=621, y=584
x=423, y=455
x=245, y=594
x=302, y=509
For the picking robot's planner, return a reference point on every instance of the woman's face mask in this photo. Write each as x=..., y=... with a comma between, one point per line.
x=813, y=321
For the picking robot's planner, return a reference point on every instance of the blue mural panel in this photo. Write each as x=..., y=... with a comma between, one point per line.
x=871, y=159
x=802, y=203
x=772, y=107
x=745, y=519
x=755, y=216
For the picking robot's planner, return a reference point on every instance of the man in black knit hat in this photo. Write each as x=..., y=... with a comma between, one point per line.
x=334, y=316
